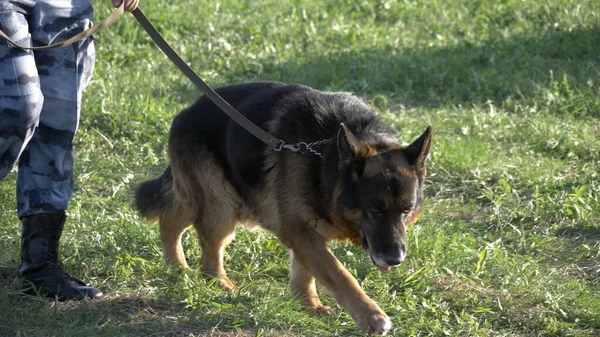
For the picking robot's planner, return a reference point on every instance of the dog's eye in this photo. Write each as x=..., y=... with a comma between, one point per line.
x=375, y=210
x=406, y=211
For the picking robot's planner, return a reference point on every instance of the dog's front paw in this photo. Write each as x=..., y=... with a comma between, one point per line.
x=321, y=310
x=375, y=323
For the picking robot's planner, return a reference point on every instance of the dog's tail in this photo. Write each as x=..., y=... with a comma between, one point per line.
x=155, y=197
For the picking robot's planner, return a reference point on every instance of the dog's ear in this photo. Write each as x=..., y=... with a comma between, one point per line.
x=417, y=152
x=348, y=145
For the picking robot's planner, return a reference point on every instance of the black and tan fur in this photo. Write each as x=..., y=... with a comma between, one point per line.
x=366, y=189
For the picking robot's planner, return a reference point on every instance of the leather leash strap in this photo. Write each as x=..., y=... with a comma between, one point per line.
x=244, y=122
x=272, y=141
x=86, y=33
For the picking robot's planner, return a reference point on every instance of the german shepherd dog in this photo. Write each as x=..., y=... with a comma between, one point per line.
x=365, y=187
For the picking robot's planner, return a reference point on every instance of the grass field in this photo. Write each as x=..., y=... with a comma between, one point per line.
x=508, y=243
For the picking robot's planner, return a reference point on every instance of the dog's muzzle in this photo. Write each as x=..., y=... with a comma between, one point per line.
x=365, y=245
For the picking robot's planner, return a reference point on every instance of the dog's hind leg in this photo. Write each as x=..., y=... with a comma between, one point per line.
x=214, y=234
x=302, y=285
x=215, y=221
x=202, y=188
x=172, y=227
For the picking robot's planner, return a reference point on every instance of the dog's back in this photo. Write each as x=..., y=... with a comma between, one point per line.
x=200, y=132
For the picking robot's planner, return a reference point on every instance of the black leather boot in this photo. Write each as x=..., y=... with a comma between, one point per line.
x=40, y=272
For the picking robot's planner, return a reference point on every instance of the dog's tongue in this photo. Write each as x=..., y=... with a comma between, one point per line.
x=384, y=269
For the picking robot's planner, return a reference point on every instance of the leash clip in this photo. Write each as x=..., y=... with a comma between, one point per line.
x=280, y=146
x=298, y=147
x=302, y=147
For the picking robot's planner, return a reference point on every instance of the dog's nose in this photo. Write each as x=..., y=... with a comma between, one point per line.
x=395, y=258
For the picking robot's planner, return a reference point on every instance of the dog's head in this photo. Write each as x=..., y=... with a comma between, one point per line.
x=381, y=192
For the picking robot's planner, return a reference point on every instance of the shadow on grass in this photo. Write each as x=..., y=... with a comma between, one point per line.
x=576, y=254
x=583, y=233
x=7, y=276
x=112, y=315
x=497, y=69
x=116, y=316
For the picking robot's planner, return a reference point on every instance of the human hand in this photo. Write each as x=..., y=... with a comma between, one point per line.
x=130, y=5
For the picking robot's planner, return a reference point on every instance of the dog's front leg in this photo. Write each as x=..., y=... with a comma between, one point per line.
x=302, y=285
x=314, y=255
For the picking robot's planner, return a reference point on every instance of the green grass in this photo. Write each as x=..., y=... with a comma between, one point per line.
x=509, y=241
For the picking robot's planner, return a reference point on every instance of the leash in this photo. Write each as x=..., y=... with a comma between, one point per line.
x=274, y=142
x=86, y=33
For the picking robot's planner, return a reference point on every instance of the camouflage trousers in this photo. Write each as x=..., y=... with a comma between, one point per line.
x=40, y=98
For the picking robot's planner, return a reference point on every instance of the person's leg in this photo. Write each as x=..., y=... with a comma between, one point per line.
x=45, y=178
x=45, y=175
x=20, y=97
